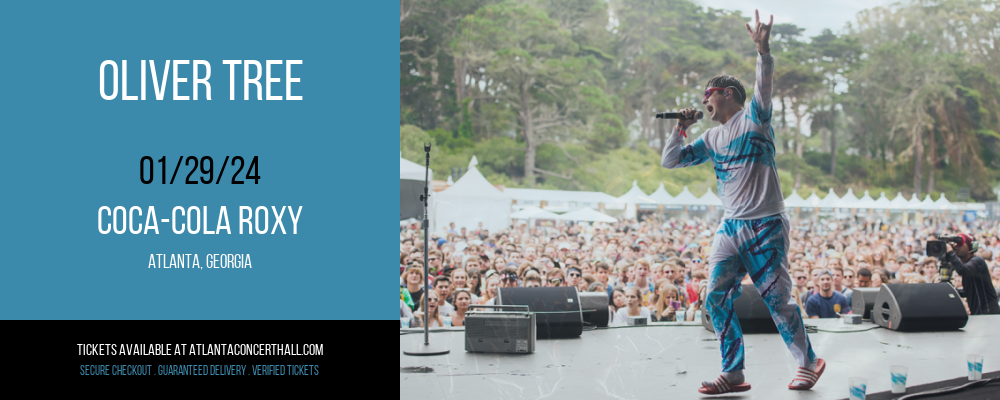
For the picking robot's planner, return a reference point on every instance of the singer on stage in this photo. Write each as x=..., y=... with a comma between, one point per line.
x=753, y=236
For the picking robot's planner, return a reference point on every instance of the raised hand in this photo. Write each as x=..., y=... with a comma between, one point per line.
x=760, y=33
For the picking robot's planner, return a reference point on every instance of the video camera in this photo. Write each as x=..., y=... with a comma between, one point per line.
x=939, y=249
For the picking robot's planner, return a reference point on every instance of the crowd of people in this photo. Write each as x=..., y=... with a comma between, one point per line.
x=658, y=268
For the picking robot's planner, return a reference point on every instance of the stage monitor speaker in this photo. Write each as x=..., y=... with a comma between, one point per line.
x=863, y=300
x=919, y=307
x=753, y=314
x=557, y=309
x=595, y=308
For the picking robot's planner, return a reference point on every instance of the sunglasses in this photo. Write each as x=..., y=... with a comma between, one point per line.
x=801, y=278
x=574, y=275
x=555, y=280
x=432, y=259
x=708, y=92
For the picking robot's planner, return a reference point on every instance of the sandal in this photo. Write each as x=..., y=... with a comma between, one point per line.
x=721, y=385
x=808, y=376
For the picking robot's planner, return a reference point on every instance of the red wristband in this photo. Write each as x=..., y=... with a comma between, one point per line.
x=682, y=128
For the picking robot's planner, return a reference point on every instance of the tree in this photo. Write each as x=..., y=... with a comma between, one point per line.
x=798, y=80
x=912, y=84
x=538, y=72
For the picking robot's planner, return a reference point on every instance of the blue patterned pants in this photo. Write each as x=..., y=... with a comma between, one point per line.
x=757, y=247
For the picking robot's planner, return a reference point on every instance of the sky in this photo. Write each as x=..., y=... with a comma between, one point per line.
x=813, y=15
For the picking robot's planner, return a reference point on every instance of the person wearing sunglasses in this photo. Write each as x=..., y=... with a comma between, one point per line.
x=508, y=278
x=754, y=234
x=554, y=278
x=573, y=275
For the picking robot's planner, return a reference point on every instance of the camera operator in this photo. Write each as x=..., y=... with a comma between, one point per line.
x=979, y=291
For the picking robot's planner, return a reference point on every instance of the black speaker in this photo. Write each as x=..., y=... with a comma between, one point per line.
x=751, y=311
x=557, y=309
x=919, y=307
x=863, y=300
x=595, y=308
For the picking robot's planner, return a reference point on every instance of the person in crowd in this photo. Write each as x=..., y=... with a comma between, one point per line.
x=801, y=278
x=443, y=287
x=463, y=299
x=642, y=280
x=459, y=279
x=692, y=287
x=490, y=292
x=554, y=278
x=405, y=313
x=838, y=282
x=828, y=303
x=573, y=275
x=879, y=277
x=530, y=253
x=601, y=271
x=434, y=260
x=508, y=278
x=515, y=257
x=617, y=299
x=596, y=287
x=633, y=305
x=414, y=277
x=979, y=293
x=473, y=263
x=678, y=282
x=532, y=279
x=928, y=269
x=433, y=312
x=849, y=281
x=585, y=281
x=499, y=263
x=814, y=281
x=664, y=307
x=864, y=277
x=474, y=284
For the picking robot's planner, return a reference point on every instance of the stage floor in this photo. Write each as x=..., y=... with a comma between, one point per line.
x=640, y=362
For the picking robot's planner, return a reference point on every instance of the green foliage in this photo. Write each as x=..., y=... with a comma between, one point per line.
x=411, y=144
x=908, y=100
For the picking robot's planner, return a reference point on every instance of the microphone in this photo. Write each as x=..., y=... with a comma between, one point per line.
x=676, y=115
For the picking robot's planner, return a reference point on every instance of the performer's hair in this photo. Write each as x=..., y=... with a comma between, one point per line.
x=725, y=81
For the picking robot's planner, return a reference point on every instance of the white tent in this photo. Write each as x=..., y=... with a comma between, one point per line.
x=710, y=199
x=587, y=214
x=558, y=200
x=882, y=202
x=412, y=171
x=794, y=200
x=813, y=200
x=928, y=204
x=943, y=204
x=914, y=203
x=470, y=201
x=848, y=201
x=532, y=212
x=866, y=202
x=830, y=201
x=686, y=198
x=899, y=203
x=411, y=187
x=634, y=197
x=660, y=195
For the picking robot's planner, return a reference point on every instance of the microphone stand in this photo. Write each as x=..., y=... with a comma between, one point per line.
x=426, y=349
